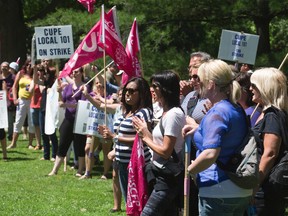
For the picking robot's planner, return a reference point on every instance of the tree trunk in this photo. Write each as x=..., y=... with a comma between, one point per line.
x=262, y=27
x=12, y=31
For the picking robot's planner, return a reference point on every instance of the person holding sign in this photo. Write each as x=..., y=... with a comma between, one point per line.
x=137, y=101
x=95, y=98
x=66, y=128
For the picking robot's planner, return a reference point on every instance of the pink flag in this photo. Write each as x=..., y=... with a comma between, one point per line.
x=87, y=51
x=137, y=195
x=113, y=44
x=132, y=50
x=88, y=4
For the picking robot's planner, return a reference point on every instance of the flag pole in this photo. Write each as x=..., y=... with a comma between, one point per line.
x=92, y=78
x=104, y=61
x=284, y=60
x=188, y=141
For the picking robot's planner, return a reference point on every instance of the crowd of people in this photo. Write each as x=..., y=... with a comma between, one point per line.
x=212, y=107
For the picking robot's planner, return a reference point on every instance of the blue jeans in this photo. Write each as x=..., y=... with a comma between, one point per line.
x=46, y=138
x=223, y=206
x=161, y=202
x=123, y=178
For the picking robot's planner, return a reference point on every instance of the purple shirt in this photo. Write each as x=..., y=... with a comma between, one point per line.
x=67, y=98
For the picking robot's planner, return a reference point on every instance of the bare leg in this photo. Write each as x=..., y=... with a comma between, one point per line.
x=31, y=137
x=106, y=147
x=38, y=138
x=4, y=145
x=89, y=158
x=116, y=190
x=56, y=166
x=14, y=141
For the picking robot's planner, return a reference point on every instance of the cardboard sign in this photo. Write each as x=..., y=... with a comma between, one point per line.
x=88, y=117
x=238, y=47
x=3, y=110
x=54, y=42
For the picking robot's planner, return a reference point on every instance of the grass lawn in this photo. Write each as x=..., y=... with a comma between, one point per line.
x=25, y=188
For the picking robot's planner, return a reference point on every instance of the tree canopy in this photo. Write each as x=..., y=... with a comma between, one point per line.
x=169, y=30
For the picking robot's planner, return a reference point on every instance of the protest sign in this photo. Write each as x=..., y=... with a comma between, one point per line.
x=54, y=42
x=3, y=110
x=238, y=47
x=88, y=117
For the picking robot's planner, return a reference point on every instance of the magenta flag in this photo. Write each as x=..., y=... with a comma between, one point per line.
x=113, y=45
x=89, y=4
x=88, y=51
x=137, y=194
x=133, y=50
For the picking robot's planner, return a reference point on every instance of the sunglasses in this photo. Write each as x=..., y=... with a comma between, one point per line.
x=253, y=86
x=194, y=76
x=131, y=90
x=154, y=85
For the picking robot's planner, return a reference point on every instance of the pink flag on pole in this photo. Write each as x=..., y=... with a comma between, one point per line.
x=137, y=194
x=87, y=51
x=112, y=43
x=88, y=4
x=132, y=50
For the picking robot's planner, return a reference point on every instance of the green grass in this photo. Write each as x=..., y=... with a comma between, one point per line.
x=25, y=188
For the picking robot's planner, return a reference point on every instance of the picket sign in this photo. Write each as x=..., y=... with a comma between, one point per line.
x=88, y=117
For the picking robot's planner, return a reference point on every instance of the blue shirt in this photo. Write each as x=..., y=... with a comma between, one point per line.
x=224, y=126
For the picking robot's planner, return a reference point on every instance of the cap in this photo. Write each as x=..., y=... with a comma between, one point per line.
x=14, y=66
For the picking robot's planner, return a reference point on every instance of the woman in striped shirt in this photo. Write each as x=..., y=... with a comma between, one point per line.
x=137, y=101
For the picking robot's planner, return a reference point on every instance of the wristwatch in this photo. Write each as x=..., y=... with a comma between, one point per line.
x=115, y=139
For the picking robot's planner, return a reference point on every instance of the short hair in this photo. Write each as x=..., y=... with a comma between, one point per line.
x=5, y=62
x=168, y=83
x=203, y=56
x=272, y=86
x=145, y=98
x=221, y=73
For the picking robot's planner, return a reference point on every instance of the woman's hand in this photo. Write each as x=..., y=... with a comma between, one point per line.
x=16, y=102
x=141, y=126
x=84, y=90
x=105, y=132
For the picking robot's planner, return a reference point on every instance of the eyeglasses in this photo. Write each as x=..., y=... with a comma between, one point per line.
x=154, y=85
x=194, y=76
x=131, y=90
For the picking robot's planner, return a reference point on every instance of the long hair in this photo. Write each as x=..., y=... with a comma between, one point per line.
x=145, y=98
x=244, y=81
x=221, y=73
x=168, y=83
x=272, y=86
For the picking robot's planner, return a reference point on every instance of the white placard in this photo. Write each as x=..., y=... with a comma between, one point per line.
x=54, y=42
x=88, y=117
x=3, y=110
x=238, y=47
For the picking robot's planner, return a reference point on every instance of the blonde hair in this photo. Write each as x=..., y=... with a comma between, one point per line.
x=220, y=72
x=272, y=86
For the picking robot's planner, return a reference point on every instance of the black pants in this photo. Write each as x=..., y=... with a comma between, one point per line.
x=67, y=136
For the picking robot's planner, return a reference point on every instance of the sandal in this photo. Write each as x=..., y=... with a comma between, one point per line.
x=86, y=177
x=38, y=147
x=103, y=177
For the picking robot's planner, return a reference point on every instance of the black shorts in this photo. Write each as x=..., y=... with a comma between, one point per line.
x=2, y=134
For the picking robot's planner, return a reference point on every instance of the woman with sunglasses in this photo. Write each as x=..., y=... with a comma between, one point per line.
x=165, y=141
x=269, y=89
x=220, y=132
x=137, y=101
x=22, y=100
x=66, y=129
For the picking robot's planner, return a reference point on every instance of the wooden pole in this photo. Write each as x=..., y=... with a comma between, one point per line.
x=188, y=141
x=284, y=60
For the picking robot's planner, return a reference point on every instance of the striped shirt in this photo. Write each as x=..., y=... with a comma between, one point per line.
x=124, y=128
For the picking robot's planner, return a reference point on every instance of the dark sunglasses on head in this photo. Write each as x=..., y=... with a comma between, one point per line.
x=131, y=90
